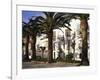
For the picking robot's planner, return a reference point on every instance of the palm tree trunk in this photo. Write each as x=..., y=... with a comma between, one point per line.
x=27, y=51
x=50, y=47
x=68, y=46
x=34, y=47
x=84, y=28
x=74, y=50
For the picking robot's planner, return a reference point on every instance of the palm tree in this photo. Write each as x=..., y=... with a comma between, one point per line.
x=68, y=35
x=25, y=34
x=35, y=30
x=73, y=44
x=31, y=29
x=52, y=21
x=84, y=35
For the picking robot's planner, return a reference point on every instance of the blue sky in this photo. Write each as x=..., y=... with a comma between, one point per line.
x=26, y=15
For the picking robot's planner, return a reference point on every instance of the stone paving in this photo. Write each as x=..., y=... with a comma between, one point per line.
x=38, y=64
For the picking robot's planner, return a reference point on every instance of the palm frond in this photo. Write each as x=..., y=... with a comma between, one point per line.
x=68, y=27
